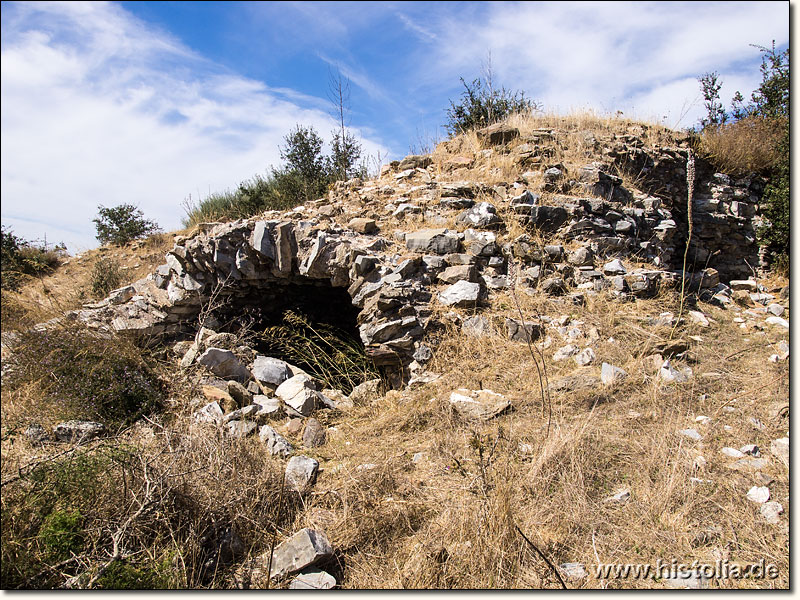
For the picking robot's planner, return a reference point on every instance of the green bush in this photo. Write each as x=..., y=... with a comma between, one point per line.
x=61, y=534
x=481, y=105
x=758, y=139
x=84, y=375
x=122, y=575
x=20, y=259
x=122, y=224
x=106, y=276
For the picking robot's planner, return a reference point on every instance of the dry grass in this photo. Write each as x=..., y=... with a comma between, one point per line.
x=412, y=495
x=746, y=146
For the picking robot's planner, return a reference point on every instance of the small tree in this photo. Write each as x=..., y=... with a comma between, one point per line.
x=481, y=104
x=122, y=224
x=345, y=148
x=306, y=172
x=715, y=113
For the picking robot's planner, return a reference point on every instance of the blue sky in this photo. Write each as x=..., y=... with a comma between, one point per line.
x=151, y=102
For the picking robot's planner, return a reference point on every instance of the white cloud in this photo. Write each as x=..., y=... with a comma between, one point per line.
x=639, y=57
x=99, y=109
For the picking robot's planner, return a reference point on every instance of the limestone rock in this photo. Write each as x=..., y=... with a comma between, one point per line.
x=302, y=550
x=277, y=445
x=240, y=429
x=301, y=472
x=433, y=241
x=210, y=413
x=239, y=393
x=366, y=392
x=586, y=357
x=476, y=326
x=271, y=371
x=528, y=331
x=771, y=512
x=609, y=374
x=78, y=431
x=478, y=404
x=313, y=579
x=482, y=214
x=461, y=294
x=363, y=225
x=223, y=363
x=780, y=448
x=497, y=134
x=223, y=398
x=298, y=395
x=758, y=494
x=314, y=434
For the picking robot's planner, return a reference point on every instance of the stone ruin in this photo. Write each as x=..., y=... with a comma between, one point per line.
x=328, y=254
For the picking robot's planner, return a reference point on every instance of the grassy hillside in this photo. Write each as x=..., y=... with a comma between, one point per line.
x=411, y=494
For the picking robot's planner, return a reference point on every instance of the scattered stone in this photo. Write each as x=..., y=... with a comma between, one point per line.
x=497, y=134
x=314, y=434
x=271, y=371
x=294, y=426
x=732, y=452
x=771, y=511
x=778, y=321
x=574, y=570
x=620, y=497
x=482, y=214
x=78, y=431
x=702, y=419
x=751, y=449
x=241, y=429
x=461, y=294
x=37, y=434
x=775, y=309
x=698, y=318
x=223, y=398
x=366, y=392
x=527, y=331
x=363, y=225
x=749, y=463
x=692, y=434
x=758, y=494
x=277, y=445
x=670, y=374
x=476, y=326
x=298, y=395
x=585, y=357
x=210, y=413
x=312, y=579
x=223, y=363
x=302, y=550
x=243, y=413
x=266, y=406
x=239, y=393
x=478, y=404
x=300, y=473
x=615, y=267
x=780, y=448
x=747, y=285
x=693, y=580
x=581, y=257
x=433, y=241
x=574, y=383
x=609, y=374
x=565, y=352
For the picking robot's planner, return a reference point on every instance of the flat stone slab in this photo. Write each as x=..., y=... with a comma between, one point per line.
x=313, y=579
x=478, y=404
x=461, y=294
x=302, y=550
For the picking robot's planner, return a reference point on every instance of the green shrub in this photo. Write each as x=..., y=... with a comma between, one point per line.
x=122, y=575
x=106, y=276
x=84, y=375
x=775, y=208
x=122, y=224
x=61, y=534
x=20, y=259
x=481, y=105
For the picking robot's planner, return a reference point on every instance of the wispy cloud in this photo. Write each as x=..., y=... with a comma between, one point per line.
x=633, y=56
x=99, y=109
